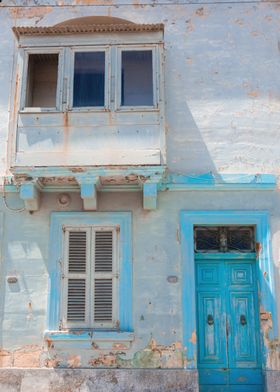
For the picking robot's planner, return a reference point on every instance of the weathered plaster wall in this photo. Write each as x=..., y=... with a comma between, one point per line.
x=157, y=304
x=222, y=111
x=222, y=85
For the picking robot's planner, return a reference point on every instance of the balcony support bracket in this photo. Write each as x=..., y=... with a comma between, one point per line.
x=150, y=190
x=88, y=186
x=30, y=194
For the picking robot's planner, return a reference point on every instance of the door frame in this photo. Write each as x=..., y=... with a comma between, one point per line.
x=265, y=273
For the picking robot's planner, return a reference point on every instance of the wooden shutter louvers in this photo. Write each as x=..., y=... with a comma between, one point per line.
x=90, y=277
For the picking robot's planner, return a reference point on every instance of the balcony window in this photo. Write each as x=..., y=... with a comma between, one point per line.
x=89, y=79
x=42, y=74
x=137, y=78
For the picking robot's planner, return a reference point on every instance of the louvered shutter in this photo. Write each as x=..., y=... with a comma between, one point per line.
x=105, y=277
x=76, y=277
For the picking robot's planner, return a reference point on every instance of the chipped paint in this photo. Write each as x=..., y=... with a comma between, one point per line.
x=30, y=12
x=193, y=338
x=74, y=361
x=272, y=344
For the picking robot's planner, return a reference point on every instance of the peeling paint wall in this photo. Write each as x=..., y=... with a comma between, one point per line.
x=221, y=77
x=157, y=315
x=222, y=113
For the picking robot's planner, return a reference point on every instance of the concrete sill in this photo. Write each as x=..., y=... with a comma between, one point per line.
x=90, y=339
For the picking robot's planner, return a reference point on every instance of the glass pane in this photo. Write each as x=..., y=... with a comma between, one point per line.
x=207, y=239
x=42, y=80
x=89, y=79
x=241, y=239
x=137, y=78
x=224, y=239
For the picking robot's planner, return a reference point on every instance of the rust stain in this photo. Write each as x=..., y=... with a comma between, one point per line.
x=27, y=356
x=272, y=345
x=254, y=33
x=65, y=131
x=240, y=22
x=6, y=358
x=74, y=361
x=31, y=12
x=77, y=170
x=258, y=248
x=52, y=362
x=104, y=360
x=193, y=338
x=253, y=93
x=49, y=343
x=265, y=315
x=200, y=11
x=93, y=2
x=119, y=346
x=15, y=101
x=190, y=26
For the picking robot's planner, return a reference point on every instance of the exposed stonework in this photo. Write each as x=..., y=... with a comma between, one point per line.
x=86, y=380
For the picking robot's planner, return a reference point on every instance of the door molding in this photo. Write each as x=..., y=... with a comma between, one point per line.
x=265, y=271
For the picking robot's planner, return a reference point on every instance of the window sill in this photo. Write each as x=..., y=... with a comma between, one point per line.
x=112, y=340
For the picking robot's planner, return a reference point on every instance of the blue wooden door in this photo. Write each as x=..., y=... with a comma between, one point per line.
x=228, y=326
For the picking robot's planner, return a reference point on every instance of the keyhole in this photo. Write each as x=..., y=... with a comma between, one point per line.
x=243, y=319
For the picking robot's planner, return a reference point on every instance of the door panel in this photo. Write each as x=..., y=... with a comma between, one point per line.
x=240, y=274
x=212, y=349
x=242, y=337
x=228, y=328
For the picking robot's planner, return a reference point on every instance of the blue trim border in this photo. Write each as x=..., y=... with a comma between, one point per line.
x=266, y=278
x=165, y=181
x=124, y=221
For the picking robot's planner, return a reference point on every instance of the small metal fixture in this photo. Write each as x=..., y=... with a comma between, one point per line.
x=63, y=200
x=210, y=319
x=172, y=279
x=12, y=279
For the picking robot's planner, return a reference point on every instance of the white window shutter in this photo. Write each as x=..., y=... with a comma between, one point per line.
x=105, y=277
x=76, y=277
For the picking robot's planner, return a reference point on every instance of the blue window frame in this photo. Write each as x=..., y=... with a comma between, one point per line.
x=59, y=220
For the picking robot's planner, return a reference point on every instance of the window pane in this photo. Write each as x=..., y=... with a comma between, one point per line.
x=241, y=239
x=42, y=80
x=137, y=78
x=89, y=79
x=207, y=239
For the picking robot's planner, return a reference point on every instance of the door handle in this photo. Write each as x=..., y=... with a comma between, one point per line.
x=243, y=320
x=210, y=320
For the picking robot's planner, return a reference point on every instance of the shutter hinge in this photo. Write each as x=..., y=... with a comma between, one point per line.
x=60, y=325
x=62, y=276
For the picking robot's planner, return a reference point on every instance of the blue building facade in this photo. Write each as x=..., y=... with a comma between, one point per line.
x=139, y=221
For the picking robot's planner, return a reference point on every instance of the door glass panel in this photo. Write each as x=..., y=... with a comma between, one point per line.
x=224, y=239
x=89, y=79
x=137, y=78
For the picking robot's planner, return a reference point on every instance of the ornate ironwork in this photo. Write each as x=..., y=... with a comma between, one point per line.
x=224, y=239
